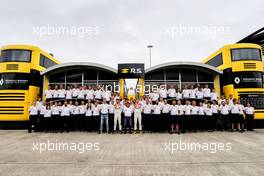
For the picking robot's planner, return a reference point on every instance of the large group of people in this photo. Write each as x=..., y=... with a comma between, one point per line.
x=195, y=108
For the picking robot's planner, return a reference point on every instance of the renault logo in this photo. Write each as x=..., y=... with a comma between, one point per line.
x=237, y=80
x=124, y=70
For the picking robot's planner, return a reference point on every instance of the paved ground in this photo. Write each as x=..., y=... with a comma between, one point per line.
x=147, y=154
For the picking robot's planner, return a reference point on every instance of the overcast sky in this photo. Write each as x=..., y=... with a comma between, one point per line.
x=117, y=31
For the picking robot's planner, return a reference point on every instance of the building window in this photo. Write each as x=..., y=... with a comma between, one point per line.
x=188, y=75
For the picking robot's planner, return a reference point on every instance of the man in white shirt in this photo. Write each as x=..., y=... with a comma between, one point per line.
x=214, y=95
x=224, y=111
x=185, y=92
x=199, y=93
x=82, y=93
x=194, y=116
x=111, y=115
x=61, y=92
x=192, y=92
x=234, y=116
x=137, y=116
x=173, y=113
x=98, y=94
x=55, y=117
x=33, y=111
x=68, y=93
x=117, y=116
x=75, y=118
x=156, y=117
x=89, y=93
x=163, y=92
x=48, y=94
x=55, y=93
x=42, y=109
x=75, y=92
x=165, y=123
x=172, y=92
x=186, y=117
x=65, y=114
x=250, y=113
x=216, y=118
x=147, y=108
x=128, y=111
x=104, y=118
x=207, y=92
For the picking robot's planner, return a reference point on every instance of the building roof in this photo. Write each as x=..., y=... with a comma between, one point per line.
x=78, y=64
x=184, y=64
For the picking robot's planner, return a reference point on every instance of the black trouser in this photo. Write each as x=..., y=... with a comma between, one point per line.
x=96, y=123
x=65, y=123
x=88, y=123
x=32, y=122
x=74, y=121
x=225, y=119
x=47, y=123
x=155, y=122
x=249, y=121
x=111, y=122
x=214, y=121
x=165, y=121
x=81, y=122
x=184, y=122
x=127, y=123
x=146, y=122
x=193, y=122
x=41, y=122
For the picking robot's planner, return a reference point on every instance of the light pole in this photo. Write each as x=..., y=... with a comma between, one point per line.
x=150, y=47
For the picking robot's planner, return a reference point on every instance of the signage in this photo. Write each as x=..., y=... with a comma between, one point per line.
x=133, y=70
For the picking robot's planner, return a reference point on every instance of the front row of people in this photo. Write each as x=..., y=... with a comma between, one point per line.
x=140, y=115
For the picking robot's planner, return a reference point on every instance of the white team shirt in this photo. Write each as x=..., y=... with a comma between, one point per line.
x=194, y=110
x=55, y=110
x=249, y=110
x=61, y=93
x=89, y=94
x=48, y=94
x=163, y=93
x=166, y=108
x=207, y=92
x=75, y=92
x=127, y=111
x=65, y=111
x=199, y=94
x=192, y=93
x=174, y=110
x=187, y=109
x=147, y=109
x=186, y=93
x=214, y=108
x=224, y=110
x=47, y=113
x=156, y=109
x=171, y=92
x=33, y=110
x=214, y=96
